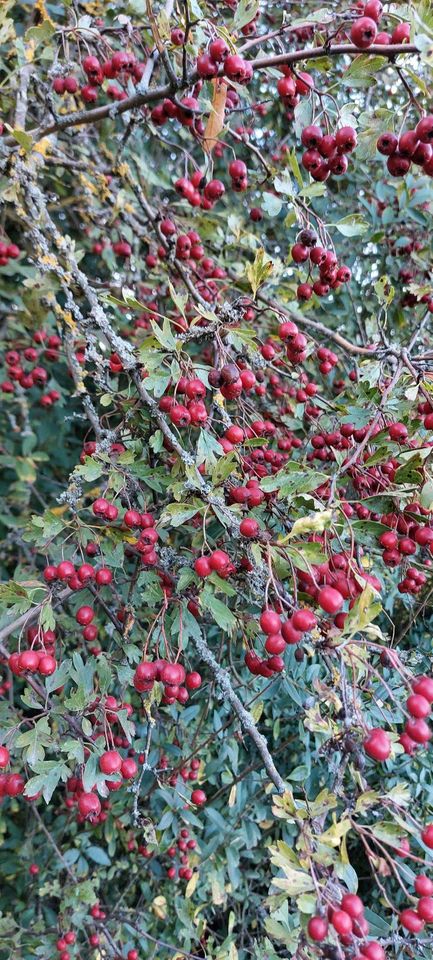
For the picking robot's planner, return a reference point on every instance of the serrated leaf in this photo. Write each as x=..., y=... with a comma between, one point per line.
x=362, y=71
x=164, y=334
x=176, y=514
x=222, y=615
x=384, y=291
x=259, y=271
x=271, y=204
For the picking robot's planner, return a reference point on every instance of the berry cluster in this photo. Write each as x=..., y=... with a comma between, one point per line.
x=198, y=192
x=176, y=681
x=123, y=65
x=331, y=274
x=184, y=844
x=326, y=154
x=8, y=251
x=413, y=146
x=363, y=31
x=21, y=371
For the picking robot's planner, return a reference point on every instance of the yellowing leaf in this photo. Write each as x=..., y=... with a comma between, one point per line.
x=294, y=883
x=42, y=146
x=30, y=51
x=259, y=271
x=257, y=710
x=315, y=523
x=218, y=894
x=159, y=907
x=232, y=796
x=191, y=885
x=334, y=835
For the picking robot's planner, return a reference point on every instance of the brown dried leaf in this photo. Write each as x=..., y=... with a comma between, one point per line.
x=215, y=122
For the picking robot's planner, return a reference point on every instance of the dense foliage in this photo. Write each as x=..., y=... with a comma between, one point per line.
x=217, y=492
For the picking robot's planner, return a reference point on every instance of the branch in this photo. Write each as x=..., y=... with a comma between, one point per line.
x=222, y=678
x=29, y=617
x=319, y=327
x=159, y=943
x=140, y=99
x=389, y=50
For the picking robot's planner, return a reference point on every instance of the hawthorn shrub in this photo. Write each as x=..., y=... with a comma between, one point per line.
x=217, y=493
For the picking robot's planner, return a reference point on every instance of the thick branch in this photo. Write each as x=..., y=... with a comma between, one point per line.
x=261, y=63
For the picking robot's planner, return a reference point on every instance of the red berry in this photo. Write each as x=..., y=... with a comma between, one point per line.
x=418, y=730
x=218, y=49
x=373, y=9
x=15, y=785
x=363, y=32
x=198, y=798
x=424, y=686
x=270, y=622
x=129, y=768
x=85, y=572
x=377, y=744
x=425, y=909
x=330, y=600
x=424, y=129
x=47, y=666
x=219, y=561
x=249, y=527
x=110, y=762
x=303, y=620
x=418, y=706
x=317, y=928
x=104, y=576
x=89, y=805
x=387, y=144
x=353, y=905
x=410, y=920
x=84, y=615
x=342, y=922
x=65, y=570
x=202, y=567
x=427, y=836
x=193, y=680
x=423, y=886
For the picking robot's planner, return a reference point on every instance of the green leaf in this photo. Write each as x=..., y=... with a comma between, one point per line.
x=90, y=772
x=208, y=449
x=180, y=300
x=271, y=204
x=353, y=225
x=220, y=613
x=176, y=514
x=24, y=139
x=362, y=71
x=91, y=469
x=40, y=34
x=223, y=468
x=74, y=750
x=283, y=183
x=98, y=855
x=295, y=168
x=245, y=12
x=164, y=334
